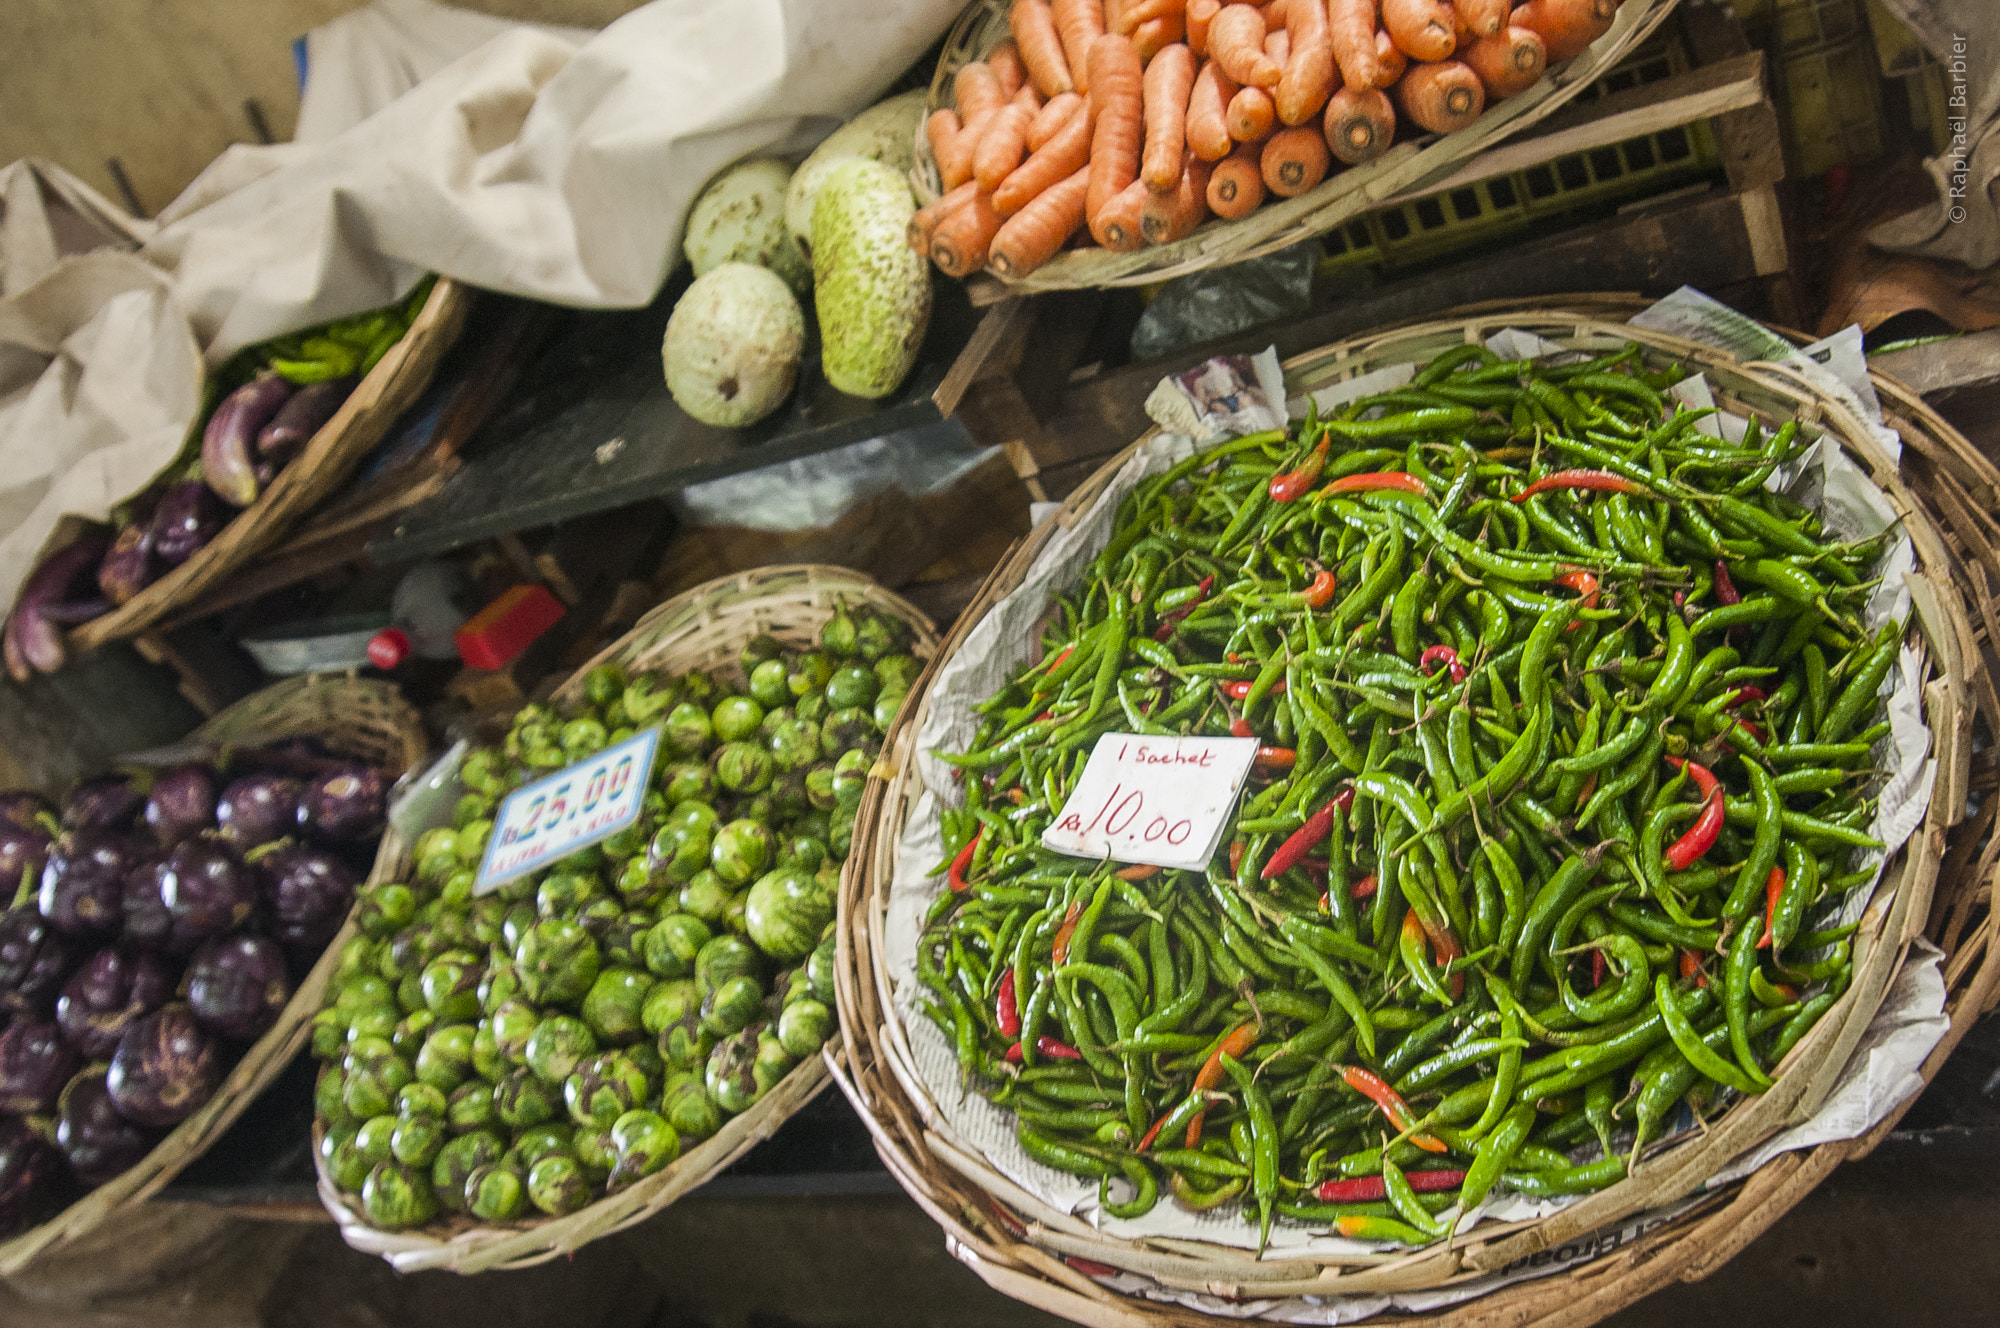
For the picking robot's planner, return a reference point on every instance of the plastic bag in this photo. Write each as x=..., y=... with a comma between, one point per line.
x=1211, y=304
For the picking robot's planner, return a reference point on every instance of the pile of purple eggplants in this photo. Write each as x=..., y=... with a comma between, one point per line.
x=297, y=384
x=161, y=923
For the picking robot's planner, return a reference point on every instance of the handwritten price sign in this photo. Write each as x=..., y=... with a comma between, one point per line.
x=1157, y=800
x=555, y=817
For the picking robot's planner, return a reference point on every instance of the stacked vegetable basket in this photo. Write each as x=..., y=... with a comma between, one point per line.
x=1481, y=970
x=511, y=1076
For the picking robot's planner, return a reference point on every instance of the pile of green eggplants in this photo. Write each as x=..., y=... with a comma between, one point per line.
x=526, y=1050
x=263, y=407
x=1542, y=814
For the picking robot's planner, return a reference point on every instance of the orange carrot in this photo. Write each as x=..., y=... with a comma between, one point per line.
x=959, y=244
x=1200, y=13
x=1067, y=152
x=1566, y=27
x=1078, y=23
x=1136, y=12
x=1359, y=124
x=1421, y=29
x=1251, y=115
x=944, y=130
x=976, y=90
x=1309, y=77
x=1028, y=97
x=1005, y=62
x=1112, y=9
x=928, y=217
x=1351, y=26
x=1156, y=34
x=1116, y=225
x=1389, y=60
x=1034, y=29
x=1171, y=216
x=1294, y=160
x=1278, y=45
x=1116, y=102
x=1033, y=235
x=1237, y=186
x=1508, y=62
x=1168, y=82
x=1236, y=42
x=1482, y=18
x=1000, y=149
x=1208, y=111
x=1440, y=96
x=1051, y=118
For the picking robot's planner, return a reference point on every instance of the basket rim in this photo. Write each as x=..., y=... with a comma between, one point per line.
x=894, y=1124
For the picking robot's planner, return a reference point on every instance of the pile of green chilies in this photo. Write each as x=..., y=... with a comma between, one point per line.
x=1543, y=805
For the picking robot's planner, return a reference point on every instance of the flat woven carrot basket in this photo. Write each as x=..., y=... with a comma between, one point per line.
x=1680, y=1214
x=363, y=719
x=703, y=628
x=1280, y=222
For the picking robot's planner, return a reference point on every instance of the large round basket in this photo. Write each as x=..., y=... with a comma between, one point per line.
x=341, y=444
x=358, y=718
x=1938, y=885
x=703, y=628
x=1342, y=196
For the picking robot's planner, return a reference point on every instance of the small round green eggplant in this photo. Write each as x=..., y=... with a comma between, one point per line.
x=410, y=1032
x=348, y=1168
x=732, y=1007
x=557, y=1185
x=557, y=961
x=649, y=696
x=563, y=893
x=758, y=650
x=548, y=1140
x=329, y=1089
x=372, y=1138
x=611, y=1007
x=644, y=1143
x=482, y=771
x=735, y=718
x=686, y=1105
x=521, y=1099
x=741, y=852
x=372, y=1077
x=496, y=1193
x=395, y=1197
x=689, y=781
x=877, y=635
x=668, y=1003
x=898, y=673
x=594, y=1153
x=679, y=851
x=471, y=1108
x=685, y=1044
x=420, y=1099
x=811, y=709
x=772, y=1062
x=501, y=983
x=383, y=909
x=804, y=1026
x=688, y=730
x=785, y=912
x=705, y=898
x=604, y=1088
x=820, y=781
x=848, y=730
x=850, y=779
x=837, y=635
x=445, y=1059
x=513, y=1025
x=730, y=1075
x=744, y=767
x=883, y=713
x=723, y=958
x=557, y=1046
x=810, y=670
x=451, y=986
x=852, y=686
x=488, y=1062
x=457, y=1160
x=820, y=969
x=767, y=684
x=619, y=943
x=669, y=948
x=417, y=1139
x=795, y=745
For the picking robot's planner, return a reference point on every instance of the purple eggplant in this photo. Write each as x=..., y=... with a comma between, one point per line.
x=237, y=986
x=301, y=417
x=103, y=804
x=165, y=1067
x=113, y=990
x=33, y=1179
x=99, y=1144
x=207, y=890
x=22, y=855
x=187, y=519
x=34, y=960
x=307, y=894
x=83, y=886
x=35, y=1063
x=33, y=640
x=228, y=441
x=148, y=924
x=128, y=566
x=182, y=804
x=27, y=810
x=344, y=806
x=257, y=809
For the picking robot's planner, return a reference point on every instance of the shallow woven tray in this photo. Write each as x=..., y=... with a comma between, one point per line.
x=1951, y=505
x=367, y=720
x=342, y=443
x=1280, y=222
x=703, y=628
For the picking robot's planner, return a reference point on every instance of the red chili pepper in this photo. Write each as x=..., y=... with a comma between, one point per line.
x=1601, y=481
x=1745, y=694
x=1598, y=970
x=955, y=875
x=1583, y=583
x=1046, y=1046
x=1704, y=779
x=1363, y=888
x=1238, y=688
x=1059, y=952
x=1589, y=787
x=1344, y=799
x=1756, y=734
x=1774, y=886
x=1370, y=1189
x=1449, y=656
x=1089, y=1267
x=1146, y=1140
x=1291, y=484
x=1725, y=589
x=1235, y=856
x=1372, y=1086
x=1239, y=727
x=1275, y=758
x=1006, y=1013
x=1138, y=871
x=1164, y=631
x=1058, y=662
x=1308, y=836
x=1701, y=836
x=1234, y=1043
x=1320, y=593
x=1444, y=946
x=1397, y=480
x=1691, y=968
x=1172, y=616
x=1006, y=1219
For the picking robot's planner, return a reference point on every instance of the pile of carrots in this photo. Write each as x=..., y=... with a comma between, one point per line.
x=1140, y=119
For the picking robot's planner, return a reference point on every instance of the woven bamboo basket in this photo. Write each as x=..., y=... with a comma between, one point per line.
x=702, y=628
x=366, y=720
x=1938, y=885
x=1281, y=222
x=342, y=443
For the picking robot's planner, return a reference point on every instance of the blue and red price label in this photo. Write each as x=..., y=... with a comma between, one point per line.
x=572, y=809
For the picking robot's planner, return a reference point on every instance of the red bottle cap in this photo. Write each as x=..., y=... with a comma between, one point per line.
x=507, y=626
x=388, y=647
